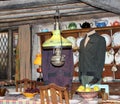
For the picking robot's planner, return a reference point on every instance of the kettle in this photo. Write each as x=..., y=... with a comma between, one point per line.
x=115, y=23
x=86, y=25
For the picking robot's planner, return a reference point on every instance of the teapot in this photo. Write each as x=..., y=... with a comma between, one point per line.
x=101, y=23
x=86, y=25
x=115, y=23
x=72, y=25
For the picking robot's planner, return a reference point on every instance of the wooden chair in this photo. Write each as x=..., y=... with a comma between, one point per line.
x=22, y=85
x=54, y=94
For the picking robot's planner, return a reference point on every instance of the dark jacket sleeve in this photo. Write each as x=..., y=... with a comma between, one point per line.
x=101, y=57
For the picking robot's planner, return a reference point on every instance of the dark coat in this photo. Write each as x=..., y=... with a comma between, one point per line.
x=92, y=57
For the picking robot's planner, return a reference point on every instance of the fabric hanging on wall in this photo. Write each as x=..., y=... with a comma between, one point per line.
x=24, y=51
x=59, y=75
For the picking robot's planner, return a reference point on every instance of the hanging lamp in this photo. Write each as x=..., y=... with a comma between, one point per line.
x=57, y=43
x=56, y=40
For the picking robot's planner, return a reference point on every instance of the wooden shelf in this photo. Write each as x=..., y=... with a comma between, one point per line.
x=81, y=32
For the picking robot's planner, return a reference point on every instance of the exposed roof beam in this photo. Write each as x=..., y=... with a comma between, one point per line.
x=13, y=4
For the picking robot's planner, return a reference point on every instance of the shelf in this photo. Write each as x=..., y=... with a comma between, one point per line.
x=81, y=32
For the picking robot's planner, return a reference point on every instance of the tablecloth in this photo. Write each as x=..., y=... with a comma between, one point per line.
x=20, y=99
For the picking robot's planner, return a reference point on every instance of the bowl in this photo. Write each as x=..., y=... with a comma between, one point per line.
x=88, y=95
x=29, y=95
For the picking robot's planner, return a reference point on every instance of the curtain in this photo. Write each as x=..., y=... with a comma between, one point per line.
x=23, y=65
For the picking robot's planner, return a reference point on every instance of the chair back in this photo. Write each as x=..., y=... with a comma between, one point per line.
x=54, y=94
x=22, y=85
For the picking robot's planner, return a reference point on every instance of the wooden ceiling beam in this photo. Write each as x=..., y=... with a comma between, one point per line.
x=13, y=4
x=25, y=11
x=47, y=12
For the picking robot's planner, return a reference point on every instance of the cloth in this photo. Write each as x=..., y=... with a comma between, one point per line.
x=92, y=56
x=59, y=75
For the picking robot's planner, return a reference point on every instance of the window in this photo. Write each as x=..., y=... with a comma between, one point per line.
x=3, y=55
x=8, y=44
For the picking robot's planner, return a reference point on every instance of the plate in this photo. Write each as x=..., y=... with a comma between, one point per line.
x=114, y=96
x=116, y=39
x=109, y=58
x=75, y=57
x=1, y=97
x=72, y=40
x=15, y=93
x=108, y=79
x=107, y=39
x=78, y=41
x=117, y=57
x=74, y=101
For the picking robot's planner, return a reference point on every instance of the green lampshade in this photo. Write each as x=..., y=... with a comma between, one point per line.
x=56, y=41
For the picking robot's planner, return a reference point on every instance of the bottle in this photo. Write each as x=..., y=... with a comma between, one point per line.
x=100, y=93
x=104, y=95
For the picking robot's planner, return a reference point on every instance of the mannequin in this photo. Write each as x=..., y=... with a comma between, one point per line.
x=91, y=31
x=91, y=58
